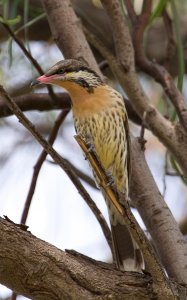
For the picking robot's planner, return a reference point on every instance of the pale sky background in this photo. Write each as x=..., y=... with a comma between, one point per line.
x=58, y=214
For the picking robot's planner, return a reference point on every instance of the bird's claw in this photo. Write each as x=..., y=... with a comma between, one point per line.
x=110, y=182
x=91, y=147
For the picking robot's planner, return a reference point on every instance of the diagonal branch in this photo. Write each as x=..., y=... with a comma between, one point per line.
x=61, y=162
x=39, y=164
x=173, y=137
x=121, y=204
x=159, y=73
x=67, y=32
x=158, y=219
x=80, y=174
x=27, y=54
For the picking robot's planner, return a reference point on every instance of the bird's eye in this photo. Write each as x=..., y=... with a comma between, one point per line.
x=60, y=71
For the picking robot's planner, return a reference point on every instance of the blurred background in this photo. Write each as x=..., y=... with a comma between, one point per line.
x=58, y=214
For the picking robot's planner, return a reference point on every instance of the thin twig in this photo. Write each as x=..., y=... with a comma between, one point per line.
x=60, y=119
x=130, y=10
x=61, y=162
x=79, y=173
x=171, y=44
x=23, y=48
x=28, y=55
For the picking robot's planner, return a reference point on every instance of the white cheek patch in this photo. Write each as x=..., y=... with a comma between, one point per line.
x=77, y=75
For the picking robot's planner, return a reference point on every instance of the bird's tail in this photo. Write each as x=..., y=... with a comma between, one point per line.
x=127, y=253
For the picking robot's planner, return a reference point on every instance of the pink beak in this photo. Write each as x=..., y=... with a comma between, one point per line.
x=42, y=79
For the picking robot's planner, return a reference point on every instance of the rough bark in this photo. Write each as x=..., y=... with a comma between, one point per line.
x=173, y=137
x=167, y=238
x=40, y=102
x=156, y=39
x=67, y=32
x=44, y=272
x=43, y=102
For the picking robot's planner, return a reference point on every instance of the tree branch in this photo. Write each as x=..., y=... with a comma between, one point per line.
x=130, y=9
x=39, y=164
x=173, y=137
x=160, y=283
x=60, y=161
x=45, y=272
x=158, y=72
x=38, y=101
x=157, y=217
x=67, y=32
x=42, y=102
x=86, y=178
x=155, y=121
x=27, y=54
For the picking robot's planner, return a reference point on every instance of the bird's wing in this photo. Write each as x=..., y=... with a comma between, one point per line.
x=127, y=131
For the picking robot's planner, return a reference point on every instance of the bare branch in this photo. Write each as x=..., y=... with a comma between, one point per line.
x=39, y=164
x=162, y=128
x=157, y=217
x=121, y=205
x=23, y=48
x=173, y=137
x=69, y=275
x=171, y=45
x=39, y=101
x=42, y=102
x=80, y=174
x=67, y=32
x=159, y=73
x=130, y=10
x=28, y=55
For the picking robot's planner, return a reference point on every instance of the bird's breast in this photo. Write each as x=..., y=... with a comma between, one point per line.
x=103, y=127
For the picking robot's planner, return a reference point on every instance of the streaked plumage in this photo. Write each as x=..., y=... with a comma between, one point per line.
x=100, y=118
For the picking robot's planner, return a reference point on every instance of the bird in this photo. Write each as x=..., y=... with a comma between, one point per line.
x=100, y=118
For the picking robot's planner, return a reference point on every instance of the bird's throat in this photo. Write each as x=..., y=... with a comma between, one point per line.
x=84, y=103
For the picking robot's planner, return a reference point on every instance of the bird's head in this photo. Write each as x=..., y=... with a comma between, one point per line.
x=69, y=74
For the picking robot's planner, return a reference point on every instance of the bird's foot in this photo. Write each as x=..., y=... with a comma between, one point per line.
x=91, y=147
x=110, y=179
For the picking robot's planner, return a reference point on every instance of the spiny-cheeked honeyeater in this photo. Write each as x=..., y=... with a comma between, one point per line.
x=100, y=118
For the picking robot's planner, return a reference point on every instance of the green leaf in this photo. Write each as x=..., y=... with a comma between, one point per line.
x=158, y=10
x=31, y=22
x=10, y=21
x=178, y=169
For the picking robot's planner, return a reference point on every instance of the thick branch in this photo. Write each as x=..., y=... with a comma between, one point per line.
x=157, y=217
x=158, y=72
x=67, y=32
x=174, y=138
x=65, y=275
x=42, y=102
x=160, y=282
x=39, y=101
